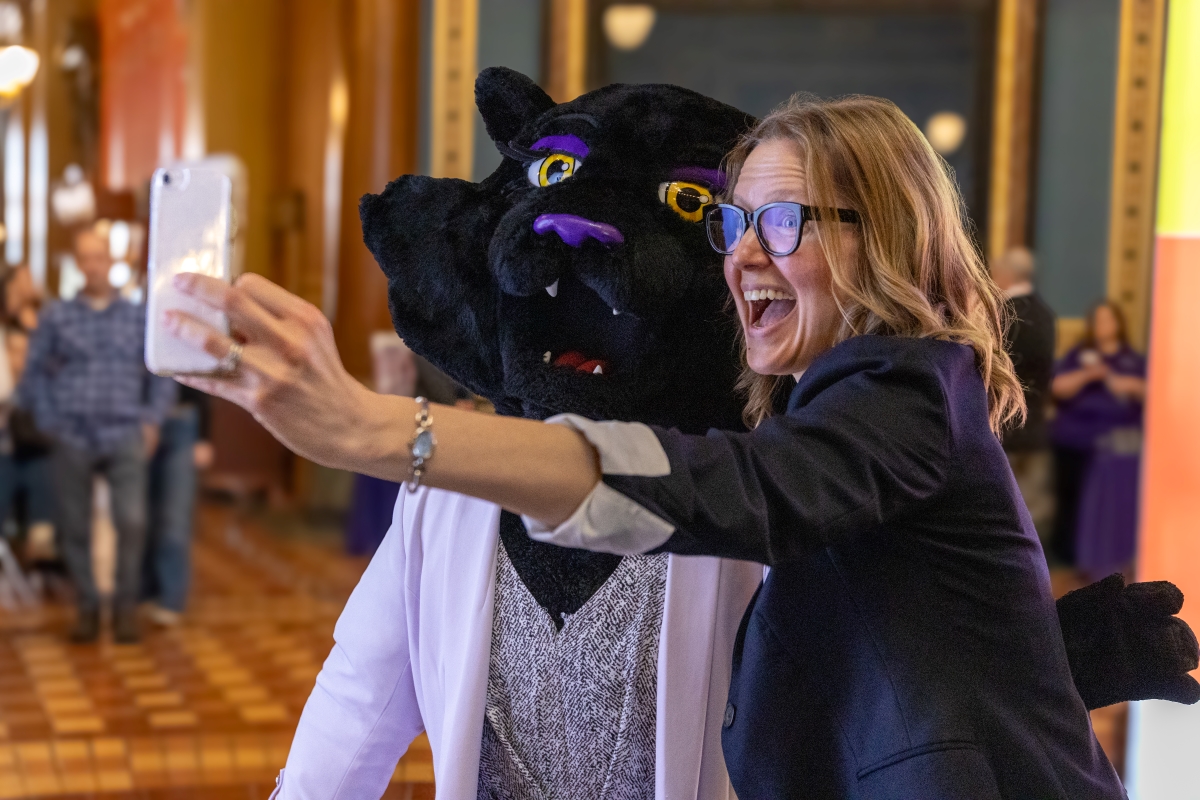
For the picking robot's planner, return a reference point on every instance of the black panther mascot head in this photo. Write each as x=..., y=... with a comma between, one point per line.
x=578, y=278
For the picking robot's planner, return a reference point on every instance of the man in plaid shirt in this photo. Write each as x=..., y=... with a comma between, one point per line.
x=88, y=388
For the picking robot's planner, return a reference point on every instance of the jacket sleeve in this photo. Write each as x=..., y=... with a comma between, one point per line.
x=868, y=446
x=362, y=714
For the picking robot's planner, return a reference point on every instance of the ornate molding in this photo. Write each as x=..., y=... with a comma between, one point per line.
x=1012, y=124
x=1135, y=161
x=452, y=106
x=566, y=49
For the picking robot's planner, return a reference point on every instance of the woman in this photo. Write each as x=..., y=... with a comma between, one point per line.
x=1099, y=387
x=904, y=643
x=27, y=469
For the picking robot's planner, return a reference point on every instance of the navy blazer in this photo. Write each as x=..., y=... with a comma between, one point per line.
x=905, y=644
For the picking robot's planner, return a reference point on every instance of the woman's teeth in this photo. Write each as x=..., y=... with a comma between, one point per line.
x=766, y=294
x=767, y=306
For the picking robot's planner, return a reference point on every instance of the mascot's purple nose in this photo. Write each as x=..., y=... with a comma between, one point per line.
x=575, y=230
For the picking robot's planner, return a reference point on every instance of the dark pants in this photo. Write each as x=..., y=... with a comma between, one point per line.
x=125, y=470
x=30, y=475
x=172, y=508
x=1070, y=469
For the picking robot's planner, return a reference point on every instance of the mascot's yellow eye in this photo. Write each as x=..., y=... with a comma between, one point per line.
x=688, y=200
x=552, y=169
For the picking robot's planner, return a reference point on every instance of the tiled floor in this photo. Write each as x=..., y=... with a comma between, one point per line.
x=203, y=711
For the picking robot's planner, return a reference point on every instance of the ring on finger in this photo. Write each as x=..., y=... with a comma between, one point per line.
x=232, y=358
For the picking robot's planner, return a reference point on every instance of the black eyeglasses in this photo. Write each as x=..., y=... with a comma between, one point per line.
x=778, y=225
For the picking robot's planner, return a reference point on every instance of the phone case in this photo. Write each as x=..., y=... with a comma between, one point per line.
x=191, y=229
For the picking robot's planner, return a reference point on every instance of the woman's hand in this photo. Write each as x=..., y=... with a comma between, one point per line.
x=1069, y=384
x=291, y=379
x=1129, y=387
x=290, y=376
x=203, y=455
x=151, y=436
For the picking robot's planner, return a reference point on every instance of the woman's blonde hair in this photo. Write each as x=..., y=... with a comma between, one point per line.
x=917, y=271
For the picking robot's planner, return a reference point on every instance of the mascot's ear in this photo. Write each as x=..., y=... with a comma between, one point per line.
x=507, y=100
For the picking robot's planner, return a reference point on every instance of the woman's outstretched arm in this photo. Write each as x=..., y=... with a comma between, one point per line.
x=292, y=380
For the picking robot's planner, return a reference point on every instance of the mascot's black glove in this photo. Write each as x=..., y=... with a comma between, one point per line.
x=1124, y=643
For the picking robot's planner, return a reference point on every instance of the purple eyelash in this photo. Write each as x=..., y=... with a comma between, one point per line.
x=713, y=178
x=565, y=143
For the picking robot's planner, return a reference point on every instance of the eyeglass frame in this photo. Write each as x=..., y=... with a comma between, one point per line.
x=750, y=220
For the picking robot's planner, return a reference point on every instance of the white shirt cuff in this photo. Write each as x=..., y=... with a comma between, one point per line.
x=625, y=448
x=608, y=521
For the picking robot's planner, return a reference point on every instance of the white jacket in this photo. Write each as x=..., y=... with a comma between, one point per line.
x=412, y=649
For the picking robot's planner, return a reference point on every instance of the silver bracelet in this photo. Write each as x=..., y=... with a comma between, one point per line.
x=421, y=445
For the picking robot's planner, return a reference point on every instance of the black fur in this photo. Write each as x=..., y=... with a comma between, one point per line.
x=467, y=278
x=561, y=579
x=467, y=273
x=506, y=105
x=466, y=288
x=1124, y=642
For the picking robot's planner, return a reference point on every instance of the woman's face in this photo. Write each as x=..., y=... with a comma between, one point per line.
x=1105, y=326
x=784, y=334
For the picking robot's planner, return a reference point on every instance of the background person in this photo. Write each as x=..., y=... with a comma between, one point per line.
x=25, y=471
x=184, y=450
x=395, y=371
x=399, y=371
x=1030, y=344
x=86, y=383
x=1099, y=387
x=882, y=498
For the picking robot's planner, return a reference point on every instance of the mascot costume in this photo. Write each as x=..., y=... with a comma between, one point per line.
x=578, y=278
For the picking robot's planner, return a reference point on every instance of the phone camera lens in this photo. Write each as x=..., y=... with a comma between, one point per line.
x=166, y=178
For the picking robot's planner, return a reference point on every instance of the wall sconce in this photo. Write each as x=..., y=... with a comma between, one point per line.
x=946, y=131
x=70, y=277
x=12, y=22
x=118, y=240
x=18, y=66
x=628, y=25
x=119, y=274
x=73, y=200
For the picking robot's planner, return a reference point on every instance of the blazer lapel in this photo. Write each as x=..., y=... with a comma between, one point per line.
x=705, y=600
x=454, y=580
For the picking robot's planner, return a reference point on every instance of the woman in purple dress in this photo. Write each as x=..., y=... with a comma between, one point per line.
x=394, y=369
x=1099, y=387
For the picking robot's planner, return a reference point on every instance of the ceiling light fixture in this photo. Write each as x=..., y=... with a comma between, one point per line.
x=628, y=25
x=18, y=66
x=946, y=131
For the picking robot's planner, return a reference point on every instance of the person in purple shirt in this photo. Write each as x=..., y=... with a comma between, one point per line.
x=1099, y=387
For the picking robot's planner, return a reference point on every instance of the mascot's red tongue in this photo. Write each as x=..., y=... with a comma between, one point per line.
x=581, y=363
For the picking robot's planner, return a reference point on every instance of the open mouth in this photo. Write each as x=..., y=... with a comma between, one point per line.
x=573, y=359
x=768, y=306
x=571, y=328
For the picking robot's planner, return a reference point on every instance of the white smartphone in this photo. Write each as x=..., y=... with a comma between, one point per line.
x=192, y=226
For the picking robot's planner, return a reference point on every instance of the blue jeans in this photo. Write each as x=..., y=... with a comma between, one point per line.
x=31, y=476
x=173, y=482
